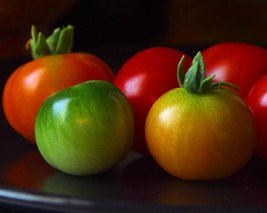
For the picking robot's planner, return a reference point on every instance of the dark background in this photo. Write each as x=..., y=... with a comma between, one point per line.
x=109, y=23
x=169, y=22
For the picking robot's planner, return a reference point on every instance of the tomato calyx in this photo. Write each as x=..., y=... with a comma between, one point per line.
x=194, y=81
x=59, y=42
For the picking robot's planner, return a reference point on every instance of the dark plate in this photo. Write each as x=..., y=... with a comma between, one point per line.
x=136, y=185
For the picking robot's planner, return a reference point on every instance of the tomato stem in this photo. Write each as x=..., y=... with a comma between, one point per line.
x=194, y=81
x=59, y=42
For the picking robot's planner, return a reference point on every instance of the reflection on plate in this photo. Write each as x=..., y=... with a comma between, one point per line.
x=137, y=183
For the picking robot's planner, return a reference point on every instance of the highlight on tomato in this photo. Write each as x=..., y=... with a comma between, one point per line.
x=202, y=130
x=53, y=68
x=85, y=129
x=143, y=78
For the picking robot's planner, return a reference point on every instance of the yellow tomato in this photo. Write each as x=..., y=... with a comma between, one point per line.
x=200, y=136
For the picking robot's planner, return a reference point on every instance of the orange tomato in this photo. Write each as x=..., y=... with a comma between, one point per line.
x=194, y=136
x=201, y=135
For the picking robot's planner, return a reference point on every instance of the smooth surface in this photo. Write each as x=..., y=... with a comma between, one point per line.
x=137, y=184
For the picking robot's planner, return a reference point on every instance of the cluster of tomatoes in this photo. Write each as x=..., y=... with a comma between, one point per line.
x=201, y=130
x=85, y=119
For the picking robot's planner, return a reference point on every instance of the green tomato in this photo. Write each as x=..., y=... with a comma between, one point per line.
x=85, y=129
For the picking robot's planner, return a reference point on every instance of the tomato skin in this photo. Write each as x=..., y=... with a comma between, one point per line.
x=145, y=77
x=257, y=100
x=33, y=82
x=241, y=64
x=85, y=129
x=200, y=136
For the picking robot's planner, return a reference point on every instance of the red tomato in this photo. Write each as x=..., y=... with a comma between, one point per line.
x=143, y=79
x=34, y=81
x=257, y=100
x=237, y=63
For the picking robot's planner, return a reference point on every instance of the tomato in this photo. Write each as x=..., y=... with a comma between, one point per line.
x=201, y=131
x=85, y=129
x=31, y=83
x=143, y=78
x=257, y=100
x=239, y=63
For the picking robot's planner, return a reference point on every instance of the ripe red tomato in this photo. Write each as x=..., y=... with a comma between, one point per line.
x=238, y=63
x=257, y=100
x=143, y=78
x=33, y=82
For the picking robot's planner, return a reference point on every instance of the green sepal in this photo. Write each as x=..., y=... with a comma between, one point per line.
x=194, y=81
x=180, y=74
x=221, y=83
x=59, y=42
x=190, y=81
x=53, y=39
x=38, y=44
x=65, y=40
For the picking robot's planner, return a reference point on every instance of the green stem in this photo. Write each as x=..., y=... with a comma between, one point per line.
x=194, y=81
x=59, y=42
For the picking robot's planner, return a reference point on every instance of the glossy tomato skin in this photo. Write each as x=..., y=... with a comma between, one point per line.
x=145, y=77
x=257, y=100
x=30, y=84
x=200, y=136
x=85, y=129
x=241, y=64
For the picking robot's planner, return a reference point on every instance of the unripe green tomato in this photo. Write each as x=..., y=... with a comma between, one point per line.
x=85, y=129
